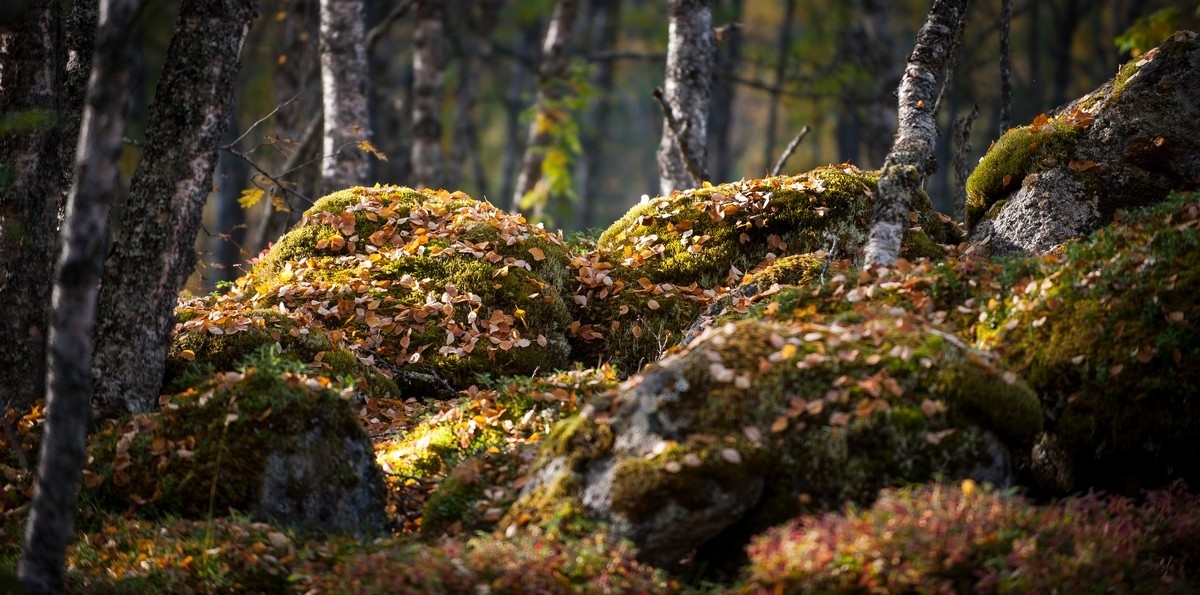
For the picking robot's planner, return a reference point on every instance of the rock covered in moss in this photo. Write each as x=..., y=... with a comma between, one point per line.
x=756, y=421
x=281, y=447
x=1107, y=333
x=1125, y=145
x=433, y=282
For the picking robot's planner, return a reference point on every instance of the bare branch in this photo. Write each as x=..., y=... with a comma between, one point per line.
x=787, y=152
x=378, y=31
x=260, y=121
x=962, y=137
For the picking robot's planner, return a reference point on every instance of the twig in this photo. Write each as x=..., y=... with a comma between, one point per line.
x=787, y=152
x=264, y=173
x=677, y=132
x=260, y=121
x=379, y=30
x=11, y=436
x=828, y=259
x=962, y=139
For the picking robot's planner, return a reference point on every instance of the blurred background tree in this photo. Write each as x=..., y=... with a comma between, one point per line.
x=779, y=65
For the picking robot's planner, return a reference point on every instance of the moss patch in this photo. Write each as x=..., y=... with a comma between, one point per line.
x=1012, y=157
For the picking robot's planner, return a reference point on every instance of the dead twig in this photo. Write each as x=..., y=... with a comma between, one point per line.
x=787, y=152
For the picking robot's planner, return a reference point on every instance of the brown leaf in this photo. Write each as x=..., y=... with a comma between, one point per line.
x=538, y=254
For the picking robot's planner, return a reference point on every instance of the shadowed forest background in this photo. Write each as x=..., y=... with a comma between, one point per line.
x=780, y=66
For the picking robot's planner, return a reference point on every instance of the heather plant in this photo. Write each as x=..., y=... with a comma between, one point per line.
x=957, y=539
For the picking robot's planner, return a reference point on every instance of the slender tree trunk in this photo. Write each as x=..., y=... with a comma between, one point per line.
x=428, y=85
x=690, y=51
x=604, y=16
x=233, y=176
x=551, y=81
x=720, y=117
x=912, y=156
x=1068, y=19
x=155, y=254
x=45, y=89
x=1005, y=65
x=782, y=50
x=51, y=519
x=344, y=95
x=526, y=40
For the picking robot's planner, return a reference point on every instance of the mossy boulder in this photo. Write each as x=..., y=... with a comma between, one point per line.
x=658, y=267
x=1107, y=333
x=756, y=421
x=431, y=282
x=1125, y=145
x=281, y=447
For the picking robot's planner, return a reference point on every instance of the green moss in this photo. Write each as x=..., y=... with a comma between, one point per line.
x=795, y=269
x=1105, y=333
x=579, y=438
x=212, y=442
x=1011, y=158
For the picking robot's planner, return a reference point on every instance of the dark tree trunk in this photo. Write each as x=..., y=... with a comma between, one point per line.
x=868, y=113
x=551, y=82
x=912, y=156
x=1067, y=20
x=1037, y=82
x=690, y=51
x=51, y=519
x=155, y=254
x=233, y=176
x=428, y=84
x=297, y=79
x=43, y=90
x=604, y=16
x=782, y=50
x=391, y=74
x=473, y=50
x=525, y=44
x=344, y=95
x=720, y=115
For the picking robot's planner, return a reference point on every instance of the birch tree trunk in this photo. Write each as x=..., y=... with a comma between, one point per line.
x=690, y=52
x=344, y=94
x=428, y=86
x=68, y=410
x=551, y=76
x=154, y=254
x=44, y=90
x=912, y=159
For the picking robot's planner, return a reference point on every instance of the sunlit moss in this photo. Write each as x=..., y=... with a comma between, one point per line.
x=1011, y=157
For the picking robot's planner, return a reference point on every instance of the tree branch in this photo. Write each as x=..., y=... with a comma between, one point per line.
x=677, y=132
x=378, y=31
x=787, y=152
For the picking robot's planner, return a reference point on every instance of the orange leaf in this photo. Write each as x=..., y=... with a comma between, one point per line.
x=537, y=253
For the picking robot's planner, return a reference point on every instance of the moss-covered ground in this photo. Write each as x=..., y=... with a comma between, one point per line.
x=378, y=281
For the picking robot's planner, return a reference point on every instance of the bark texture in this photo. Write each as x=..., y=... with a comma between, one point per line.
x=782, y=51
x=344, y=94
x=428, y=85
x=68, y=412
x=911, y=159
x=154, y=254
x=43, y=91
x=551, y=81
x=720, y=118
x=690, y=51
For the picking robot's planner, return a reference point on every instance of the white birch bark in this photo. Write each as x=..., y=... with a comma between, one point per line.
x=344, y=94
x=912, y=159
x=691, y=50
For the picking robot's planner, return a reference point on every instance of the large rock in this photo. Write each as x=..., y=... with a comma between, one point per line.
x=279, y=446
x=756, y=421
x=1125, y=145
